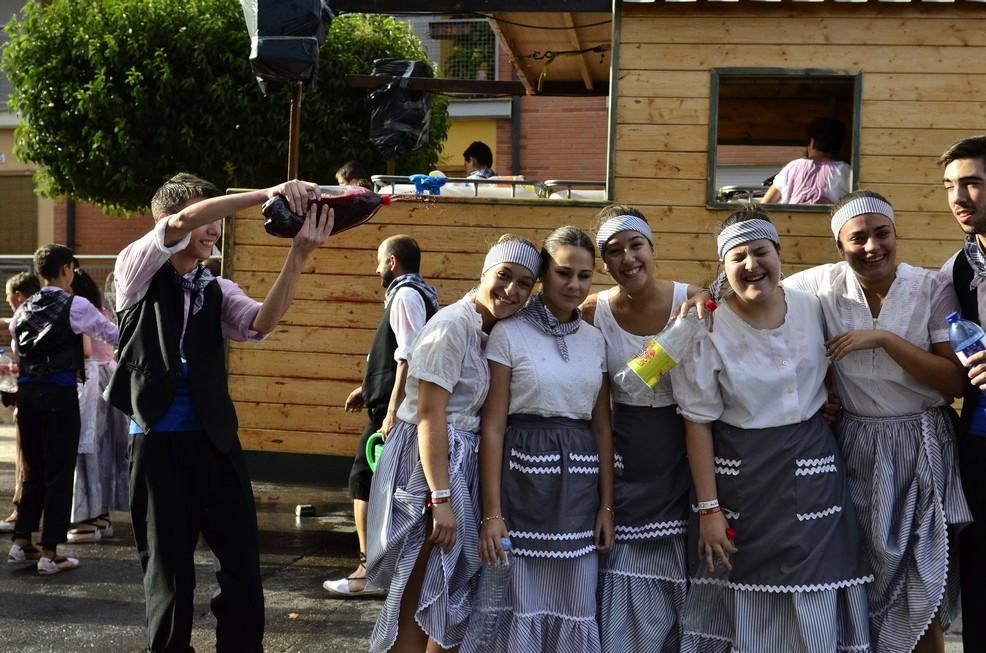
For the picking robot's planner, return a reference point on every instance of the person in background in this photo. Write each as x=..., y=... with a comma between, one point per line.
x=409, y=302
x=47, y=332
x=765, y=462
x=101, y=467
x=964, y=179
x=818, y=178
x=19, y=287
x=188, y=475
x=479, y=161
x=643, y=582
x=352, y=174
x=423, y=523
x=546, y=460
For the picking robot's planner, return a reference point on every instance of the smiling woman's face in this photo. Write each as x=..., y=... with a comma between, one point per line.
x=753, y=270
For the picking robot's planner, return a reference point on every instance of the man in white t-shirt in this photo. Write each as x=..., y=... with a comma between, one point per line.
x=408, y=304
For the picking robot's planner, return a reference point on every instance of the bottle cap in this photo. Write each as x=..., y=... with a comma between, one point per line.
x=505, y=543
x=952, y=318
x=731, y=533
x=386, y=199
x=710, y=305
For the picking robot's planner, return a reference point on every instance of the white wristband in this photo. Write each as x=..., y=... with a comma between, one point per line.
x=441, y=494
x=708, y=505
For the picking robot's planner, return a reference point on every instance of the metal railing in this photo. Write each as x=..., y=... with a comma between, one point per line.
x=539, y=189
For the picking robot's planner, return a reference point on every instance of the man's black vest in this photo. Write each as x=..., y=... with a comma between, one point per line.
x=149, y=370
x=48, y=346
x=962, y=276
x=381, y=368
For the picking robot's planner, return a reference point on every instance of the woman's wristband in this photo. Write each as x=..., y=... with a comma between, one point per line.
x=491, y=518
x=441, y=494
x=603, y=506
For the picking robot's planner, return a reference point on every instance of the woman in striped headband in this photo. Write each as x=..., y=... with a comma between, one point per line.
x=765, y=462
x=643, y=581
x=894, y=371
x=423, y=519
x=546, y=459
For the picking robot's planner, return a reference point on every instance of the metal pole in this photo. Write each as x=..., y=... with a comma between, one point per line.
x=294, y=135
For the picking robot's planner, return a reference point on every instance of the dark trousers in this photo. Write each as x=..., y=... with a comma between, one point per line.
x=182, y=486
x=48, y=417
x=972, y=543
x=361, y=476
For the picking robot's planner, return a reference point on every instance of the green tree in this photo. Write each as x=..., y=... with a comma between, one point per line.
x=117, y=95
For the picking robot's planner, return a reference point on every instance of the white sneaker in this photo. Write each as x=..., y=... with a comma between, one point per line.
x=19, y=553
x=6, y=526
x=47, y=566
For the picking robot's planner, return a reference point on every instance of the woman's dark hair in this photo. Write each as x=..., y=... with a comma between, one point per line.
x=567, y=236
x=751, y=212
x=84, y=286
x=352, y=174
x=612, y=211
x=828, y=135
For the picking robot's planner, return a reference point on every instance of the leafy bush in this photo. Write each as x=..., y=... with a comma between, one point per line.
x=117, y=95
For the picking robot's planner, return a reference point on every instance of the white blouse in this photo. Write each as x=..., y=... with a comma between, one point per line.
x=869, y=382
x=449, y=353
x=756, y=378
x=621, y=346
x=541, y=381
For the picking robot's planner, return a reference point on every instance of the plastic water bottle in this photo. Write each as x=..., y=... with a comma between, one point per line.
x=8, y=381
x=966, y=338
x=711, y=592
x=664, y=351
x=493, y=598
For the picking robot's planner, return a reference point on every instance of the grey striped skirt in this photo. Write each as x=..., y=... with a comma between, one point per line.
x=549, y=498
x=904, y=483
x=397, y=529
x=644, y=579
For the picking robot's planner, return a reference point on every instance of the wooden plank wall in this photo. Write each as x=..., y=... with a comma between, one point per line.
x=921, y=92
x=289, y=389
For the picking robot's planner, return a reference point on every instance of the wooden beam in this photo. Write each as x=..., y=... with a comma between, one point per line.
x=474, y=87
x=458, y=6
x=508, y=47
x=573, y=36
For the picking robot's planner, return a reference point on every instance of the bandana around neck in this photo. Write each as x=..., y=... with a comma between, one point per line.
x=411, y=279
x=196, y=285
x=974, y=254
x=537, y=313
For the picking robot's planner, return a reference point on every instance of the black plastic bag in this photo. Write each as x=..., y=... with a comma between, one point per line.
x=399, y=117
x=285, y=38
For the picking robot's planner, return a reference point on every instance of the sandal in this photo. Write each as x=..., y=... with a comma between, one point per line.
x=47, y=566
x=84, y=532
x=104, y=525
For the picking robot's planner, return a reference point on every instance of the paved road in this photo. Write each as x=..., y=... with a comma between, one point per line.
x=99, y=607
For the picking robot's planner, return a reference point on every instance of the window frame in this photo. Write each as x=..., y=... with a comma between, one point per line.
x=716, y=76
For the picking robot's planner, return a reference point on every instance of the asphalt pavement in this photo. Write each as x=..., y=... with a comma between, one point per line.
x=100, y=606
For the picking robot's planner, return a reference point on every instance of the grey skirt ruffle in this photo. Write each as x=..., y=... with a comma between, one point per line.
x=904, y=483
x=397, y=527
x=642, y=589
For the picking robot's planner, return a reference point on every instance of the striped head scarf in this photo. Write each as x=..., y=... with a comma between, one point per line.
x=620, y=223
x=736, y=234
x=514, y=251
x=856, y=207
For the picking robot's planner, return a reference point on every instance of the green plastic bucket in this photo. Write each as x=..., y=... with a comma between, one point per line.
x=374, y=447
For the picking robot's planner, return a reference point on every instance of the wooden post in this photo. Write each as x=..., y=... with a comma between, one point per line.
x=391, y=166
x=294, y=135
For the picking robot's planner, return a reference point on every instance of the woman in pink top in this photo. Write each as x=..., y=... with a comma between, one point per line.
x=818, y=178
